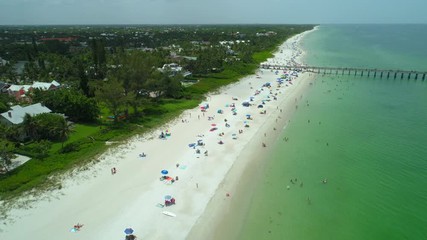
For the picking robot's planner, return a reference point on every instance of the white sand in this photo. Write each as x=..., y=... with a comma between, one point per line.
x=107, y=204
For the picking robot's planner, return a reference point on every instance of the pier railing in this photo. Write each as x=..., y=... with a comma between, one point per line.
x=367, y=72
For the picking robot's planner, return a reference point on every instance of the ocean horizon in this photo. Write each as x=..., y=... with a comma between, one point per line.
x=352, y=162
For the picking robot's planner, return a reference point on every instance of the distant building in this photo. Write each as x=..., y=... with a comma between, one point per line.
x=65, y=39
x=171, y=67
x=20, y=92
x=17, y=113
x=269, y=33
x=174, y=69
x=190, y=58
x=46, y=86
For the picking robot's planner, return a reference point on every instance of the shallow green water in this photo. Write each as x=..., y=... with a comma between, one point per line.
x=367, y=137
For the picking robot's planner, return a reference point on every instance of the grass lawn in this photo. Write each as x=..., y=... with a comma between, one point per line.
x=80, y=131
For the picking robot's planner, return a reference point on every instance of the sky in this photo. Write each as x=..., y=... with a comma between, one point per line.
x=52, y=12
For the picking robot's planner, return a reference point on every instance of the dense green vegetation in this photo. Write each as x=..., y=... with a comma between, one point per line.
x=112, y=88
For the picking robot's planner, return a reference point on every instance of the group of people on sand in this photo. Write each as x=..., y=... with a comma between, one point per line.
x=130, y=237
x=78, y=226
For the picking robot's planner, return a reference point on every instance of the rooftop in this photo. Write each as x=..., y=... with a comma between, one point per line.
x=17, y=113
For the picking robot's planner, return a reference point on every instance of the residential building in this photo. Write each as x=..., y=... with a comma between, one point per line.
x=20, y=92
x=17, y=113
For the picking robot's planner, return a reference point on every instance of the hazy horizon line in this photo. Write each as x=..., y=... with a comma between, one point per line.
x=201, y=24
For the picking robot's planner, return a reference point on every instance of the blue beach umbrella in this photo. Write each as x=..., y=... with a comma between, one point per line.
x=128, y=231
x=164, y=172
x=168, y=197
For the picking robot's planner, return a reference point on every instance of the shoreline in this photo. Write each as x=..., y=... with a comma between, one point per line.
x=108, y=203
x=223, y=216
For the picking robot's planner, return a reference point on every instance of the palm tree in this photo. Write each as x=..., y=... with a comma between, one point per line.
x=30, y=126
x=63, y=130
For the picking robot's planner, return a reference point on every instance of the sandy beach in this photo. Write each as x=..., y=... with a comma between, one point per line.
x=206, y=174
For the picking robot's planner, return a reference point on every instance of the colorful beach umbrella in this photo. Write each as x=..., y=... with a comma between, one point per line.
x=128, y=231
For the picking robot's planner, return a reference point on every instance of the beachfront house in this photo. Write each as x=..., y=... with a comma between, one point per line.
x=17, y=113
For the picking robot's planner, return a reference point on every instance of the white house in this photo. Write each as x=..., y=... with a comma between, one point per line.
x=46, y=86
x=17, y=113
x=173, y=67
x=20, y=91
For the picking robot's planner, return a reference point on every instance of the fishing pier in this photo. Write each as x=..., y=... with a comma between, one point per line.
x=363, y=72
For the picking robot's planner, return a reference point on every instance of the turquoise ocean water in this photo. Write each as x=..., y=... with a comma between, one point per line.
x=366, y=136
